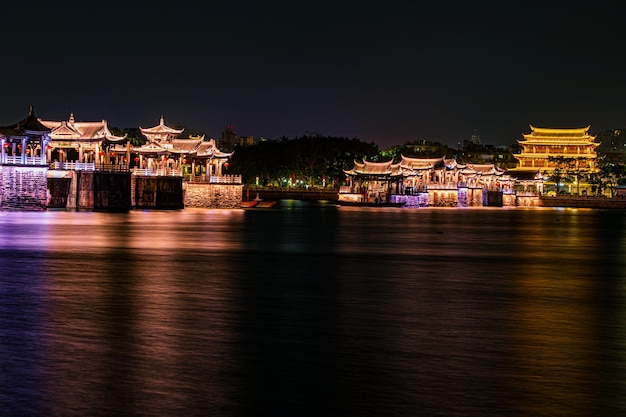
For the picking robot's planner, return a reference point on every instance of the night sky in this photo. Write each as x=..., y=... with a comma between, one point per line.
x=385, y=72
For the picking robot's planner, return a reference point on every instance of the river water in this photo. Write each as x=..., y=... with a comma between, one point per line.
x=313, y=310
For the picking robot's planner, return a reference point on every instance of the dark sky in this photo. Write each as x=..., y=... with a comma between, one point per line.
x=387, y=72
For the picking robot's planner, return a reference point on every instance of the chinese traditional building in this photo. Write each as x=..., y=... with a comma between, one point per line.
x=81, y=142
x=420, y=173
x=161, y=133
x=424, y=182
x=371, y=182
x=23, y=164
x=25, y=142
x=154, y=154
x=205, y=158
x=560, y=158
x=165, y=149
x=544, y=149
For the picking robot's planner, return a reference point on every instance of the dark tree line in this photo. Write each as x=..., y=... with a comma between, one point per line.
x=307, y=161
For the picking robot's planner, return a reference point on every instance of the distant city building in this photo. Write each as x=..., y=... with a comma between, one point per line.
x=612, y=141
x=475, y=138
x=613, y=146
x=246, y=141
x=228, y=139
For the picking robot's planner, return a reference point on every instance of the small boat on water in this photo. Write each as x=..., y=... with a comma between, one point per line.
x=259, y=204
x=249, y=204
x=266, y=204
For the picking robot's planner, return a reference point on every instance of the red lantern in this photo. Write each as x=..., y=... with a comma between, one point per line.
x=101, y=153
x=112, y=153
x=136, y=159
x=184, y=161
x=226, y=165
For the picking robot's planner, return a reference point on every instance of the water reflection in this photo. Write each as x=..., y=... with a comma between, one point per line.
x=312, y=310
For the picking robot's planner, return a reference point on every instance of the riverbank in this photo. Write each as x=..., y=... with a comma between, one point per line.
x=331, y=195
x=583, y=202
x=278, y=194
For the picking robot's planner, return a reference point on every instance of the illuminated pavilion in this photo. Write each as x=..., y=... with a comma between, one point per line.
x=423, y=172
x=436, y=181
x=23, y=164
x=164, y=148
x=371, y=182
x=25, y=142
x=87, y=140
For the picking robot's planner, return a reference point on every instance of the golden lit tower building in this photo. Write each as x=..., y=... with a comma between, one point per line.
x=546, y=149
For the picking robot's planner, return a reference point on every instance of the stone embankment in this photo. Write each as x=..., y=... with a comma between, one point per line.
x=278, y=194
x=583, y=202
x=561, y=201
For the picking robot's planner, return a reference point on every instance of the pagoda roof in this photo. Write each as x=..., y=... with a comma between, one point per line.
x=186, y=145
x=375, y=168
x=195, y=147
x=30, y=125
x=161, y=128
x=209, y=149
x=423, y=163
x=549, y=131
x=81, y=131
x=579, y=135
x=483, y=169
x=151, y=149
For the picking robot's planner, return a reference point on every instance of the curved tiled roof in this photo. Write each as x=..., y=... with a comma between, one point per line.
x=29, y=125
x=375, y=168
x=422, y=163
x=81, y=131
x=161, y=128
x=577, y=135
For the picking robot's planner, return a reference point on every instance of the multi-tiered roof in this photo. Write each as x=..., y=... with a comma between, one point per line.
x=543, y=147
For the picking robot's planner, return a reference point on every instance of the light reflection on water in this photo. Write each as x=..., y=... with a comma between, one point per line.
x=313, y=310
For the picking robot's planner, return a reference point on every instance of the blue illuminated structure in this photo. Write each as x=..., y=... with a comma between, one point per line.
x=23, y=165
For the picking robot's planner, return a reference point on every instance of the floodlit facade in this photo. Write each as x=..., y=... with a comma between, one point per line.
x=563, y=157
x=426, y=182
x=24, y=142
x=80, y=142
x=543, y=147
x=165, y=152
